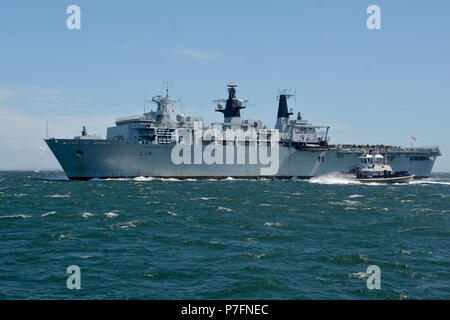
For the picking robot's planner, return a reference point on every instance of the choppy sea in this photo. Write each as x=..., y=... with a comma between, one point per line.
x=147, y=238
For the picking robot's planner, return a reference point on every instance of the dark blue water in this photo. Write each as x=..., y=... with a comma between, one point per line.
x=163, y=239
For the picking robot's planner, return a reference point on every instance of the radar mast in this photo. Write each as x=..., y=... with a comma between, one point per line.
x=231, y=113
x=162, y=114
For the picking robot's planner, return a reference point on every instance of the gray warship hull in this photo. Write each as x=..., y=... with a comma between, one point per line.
x=102, y=158
x=146, y=145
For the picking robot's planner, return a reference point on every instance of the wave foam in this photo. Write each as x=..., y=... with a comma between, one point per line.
x=87, y=215
x=58, y=196
x=48, y=214
x=273, y=224
x=126, y=225
x=360, y=275
x=23, y=216
x=169, y=179
x=111, y=214
x=351, y=202
x=205, y=198
x=224, y=209
x=143, y=178
x=429, y=181
x=334, y=178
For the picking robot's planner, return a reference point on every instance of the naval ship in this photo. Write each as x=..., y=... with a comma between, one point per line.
x=155, y=145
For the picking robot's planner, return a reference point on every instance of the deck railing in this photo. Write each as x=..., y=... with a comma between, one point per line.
x=381, y=148
x=128, y=118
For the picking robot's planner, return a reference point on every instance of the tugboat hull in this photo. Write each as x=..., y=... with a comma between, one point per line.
x=404, y=179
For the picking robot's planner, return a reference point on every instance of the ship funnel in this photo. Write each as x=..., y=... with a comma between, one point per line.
x=283, y=107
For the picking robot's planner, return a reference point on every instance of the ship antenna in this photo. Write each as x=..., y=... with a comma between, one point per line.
x=167, y=88
x=46, y=132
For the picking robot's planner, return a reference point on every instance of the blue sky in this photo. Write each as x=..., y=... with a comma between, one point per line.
x=371, y=86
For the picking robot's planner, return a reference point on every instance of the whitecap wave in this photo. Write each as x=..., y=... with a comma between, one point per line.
x=48, y=214
x=205, y=198
x=58, y=196
x=23, y=216
x=126, y=225
x=273, y=224
x=111, y=214
x=351, y=202
x=360, y=275
x=87, y=215
x=224, y=209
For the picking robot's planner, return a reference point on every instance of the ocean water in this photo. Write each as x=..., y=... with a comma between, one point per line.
x=149, y=238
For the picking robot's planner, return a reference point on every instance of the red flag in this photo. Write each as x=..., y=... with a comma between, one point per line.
x=413, y=138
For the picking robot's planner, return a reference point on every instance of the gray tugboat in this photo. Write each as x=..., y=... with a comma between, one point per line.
x=374, y=169
x=155, y=145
